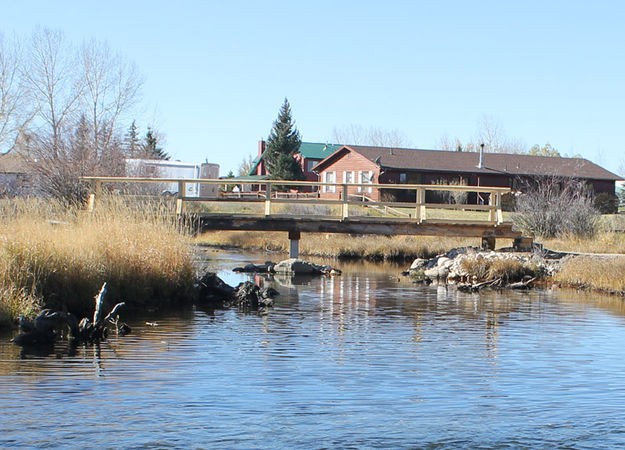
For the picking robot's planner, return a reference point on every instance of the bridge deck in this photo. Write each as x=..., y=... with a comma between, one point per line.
x=355, y=225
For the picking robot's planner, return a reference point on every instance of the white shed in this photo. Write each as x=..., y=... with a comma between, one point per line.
x=158, y=168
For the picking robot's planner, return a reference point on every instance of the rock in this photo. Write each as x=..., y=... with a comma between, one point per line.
x=297, y=266
x=436, y=273
x=454, y=252
x=256, y=268
x=269, y=292
x=249, y=295
x=443, y=260
x=418, y=263
x=214, y=288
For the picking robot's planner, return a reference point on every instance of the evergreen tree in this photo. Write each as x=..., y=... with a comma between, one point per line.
x=283, y=142
x=151, y=148
x=81, y=157
x=132, y=143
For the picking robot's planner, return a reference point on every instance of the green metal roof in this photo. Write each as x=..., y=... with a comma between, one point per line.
x=316, y=150
x=255, y=164
x=310, y=150
x=248, y=177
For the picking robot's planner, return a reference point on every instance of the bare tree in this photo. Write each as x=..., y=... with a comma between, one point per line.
x=51, y=75
x=81, y=98
x=494, y=138
x=246, y=165
x=454, y=144
x=373, y=136
x=111, y=89
x=15, y=110
x=491, y=134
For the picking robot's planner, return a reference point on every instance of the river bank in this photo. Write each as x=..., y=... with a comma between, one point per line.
x=602, y=273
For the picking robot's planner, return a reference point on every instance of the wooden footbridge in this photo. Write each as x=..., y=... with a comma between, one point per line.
x=302, y=207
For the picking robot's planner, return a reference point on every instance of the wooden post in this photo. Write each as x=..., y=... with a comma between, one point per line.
x=96, y=189
x=491, y=203
x=499, y=212
x=91, y=202
x=420, y=210
x=345, y=212
x=268, y=200
x=294, y=237
x=180, y=199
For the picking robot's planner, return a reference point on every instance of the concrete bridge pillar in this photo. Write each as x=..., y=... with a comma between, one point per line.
x=294, y=244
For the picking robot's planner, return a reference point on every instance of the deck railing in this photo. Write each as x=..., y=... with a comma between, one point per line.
x=343, y=195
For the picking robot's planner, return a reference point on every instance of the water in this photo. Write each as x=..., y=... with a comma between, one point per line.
x=362, y=360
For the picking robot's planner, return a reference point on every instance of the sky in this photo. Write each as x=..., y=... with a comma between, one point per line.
x=217, y=72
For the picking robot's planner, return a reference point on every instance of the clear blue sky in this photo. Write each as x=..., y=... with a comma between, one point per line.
x=217, y=72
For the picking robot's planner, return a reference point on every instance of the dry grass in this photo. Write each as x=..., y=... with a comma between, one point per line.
x=602, y=242
x=373, y=248
x=477, y=266
x=506, y=269
x=58, y=258
x=604, y=274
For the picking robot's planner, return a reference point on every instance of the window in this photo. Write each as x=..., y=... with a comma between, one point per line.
x=348, y=177
x=402, y=177
x=310, y=164
x=329, y=177
x=365, y=177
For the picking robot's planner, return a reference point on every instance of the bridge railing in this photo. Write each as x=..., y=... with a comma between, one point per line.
x=342, y=195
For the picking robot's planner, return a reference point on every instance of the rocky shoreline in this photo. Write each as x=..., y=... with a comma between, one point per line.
x=472, y=269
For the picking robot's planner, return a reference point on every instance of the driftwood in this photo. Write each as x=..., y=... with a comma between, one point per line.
x=521, y=284
x=49, y=324
x=468, y=287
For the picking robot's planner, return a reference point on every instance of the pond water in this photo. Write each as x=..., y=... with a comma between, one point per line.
x=360, y=360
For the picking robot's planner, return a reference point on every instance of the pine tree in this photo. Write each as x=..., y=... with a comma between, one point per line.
x=81, y=156
x=131, y=142
x=283, y=142
x=151, y=148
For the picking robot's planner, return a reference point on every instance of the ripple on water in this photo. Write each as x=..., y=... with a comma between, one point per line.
x=357, y=361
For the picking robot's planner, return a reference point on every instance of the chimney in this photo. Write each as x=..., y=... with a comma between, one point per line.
x=480, y=165
x=261, y=148
x=390, y=151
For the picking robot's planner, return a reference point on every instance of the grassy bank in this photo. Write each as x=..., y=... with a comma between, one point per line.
x=342, y=246
x=595, y=273
x=52, y=256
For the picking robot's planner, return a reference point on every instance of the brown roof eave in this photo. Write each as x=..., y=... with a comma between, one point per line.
x=329, y=158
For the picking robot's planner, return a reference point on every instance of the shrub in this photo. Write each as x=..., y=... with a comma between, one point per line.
x=508, y=202
x=457, y=197
x=556, y=207
x=606, y=203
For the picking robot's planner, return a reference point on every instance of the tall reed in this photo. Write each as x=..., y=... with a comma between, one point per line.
x=58, y=257
x=342, y=246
